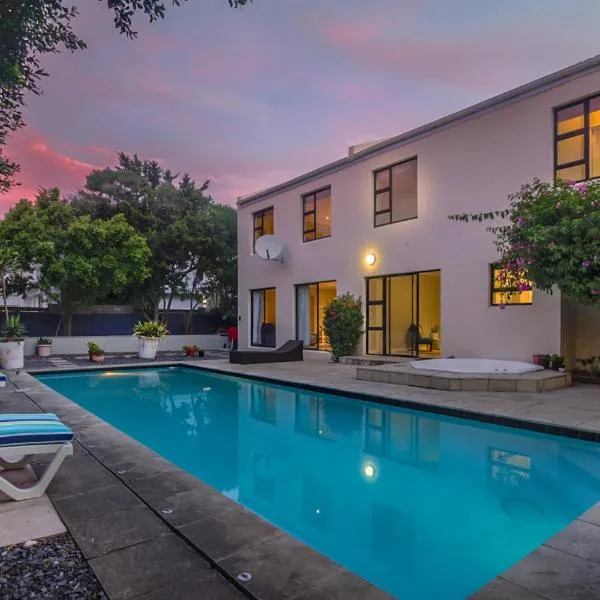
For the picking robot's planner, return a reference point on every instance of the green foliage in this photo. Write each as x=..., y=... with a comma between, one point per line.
x=150, y=329
x=188, y=234
x=13, y=330
x=44, y=341
x=76, y=260
x=343, y=323
x=94, y=349
x=550, y=238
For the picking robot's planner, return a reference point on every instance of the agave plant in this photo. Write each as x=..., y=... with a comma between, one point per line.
x=150, y=329
x=13, y=330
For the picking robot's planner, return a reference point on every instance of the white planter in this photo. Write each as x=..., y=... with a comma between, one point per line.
x=44, y=349
x=147, y=347
x=12, y=355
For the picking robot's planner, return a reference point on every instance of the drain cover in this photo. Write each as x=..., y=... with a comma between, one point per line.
x=166, y=511
x=244, y=576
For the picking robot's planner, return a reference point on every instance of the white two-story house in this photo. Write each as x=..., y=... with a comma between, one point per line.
x=375, y=223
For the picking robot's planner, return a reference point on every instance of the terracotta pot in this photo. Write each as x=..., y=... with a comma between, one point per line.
x=97, y=358
x=44, y=349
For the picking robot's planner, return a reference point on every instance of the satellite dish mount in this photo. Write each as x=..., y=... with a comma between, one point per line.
x=270, y=248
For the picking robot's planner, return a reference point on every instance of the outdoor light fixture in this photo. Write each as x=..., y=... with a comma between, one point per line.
x=370, y=259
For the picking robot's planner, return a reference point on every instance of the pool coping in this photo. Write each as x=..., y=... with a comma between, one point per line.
x=198, y=506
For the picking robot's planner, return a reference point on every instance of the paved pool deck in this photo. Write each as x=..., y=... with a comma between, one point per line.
x=150, y=530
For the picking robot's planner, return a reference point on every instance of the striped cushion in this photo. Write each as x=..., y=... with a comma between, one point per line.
x=21, y=430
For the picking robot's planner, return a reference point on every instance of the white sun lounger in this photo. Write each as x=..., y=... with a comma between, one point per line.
x=24, y=436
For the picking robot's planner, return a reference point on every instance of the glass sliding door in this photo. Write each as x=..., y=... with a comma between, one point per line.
x=403, y=314
x=263, y=317
x=311, y=300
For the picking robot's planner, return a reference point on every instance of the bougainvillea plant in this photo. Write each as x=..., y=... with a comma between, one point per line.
x=550, y=237
x=343, y=323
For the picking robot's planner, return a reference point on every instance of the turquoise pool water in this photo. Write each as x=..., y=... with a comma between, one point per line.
x=423, y=506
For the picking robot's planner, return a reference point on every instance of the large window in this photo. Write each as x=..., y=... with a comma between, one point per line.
x=396, y=193
x=577, y=140
x=506, y=292
x=311, y=300
x=316, y=208
x=263, y=317
x=264, y=224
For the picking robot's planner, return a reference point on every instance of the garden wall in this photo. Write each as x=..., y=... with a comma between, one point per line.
x=127, y=343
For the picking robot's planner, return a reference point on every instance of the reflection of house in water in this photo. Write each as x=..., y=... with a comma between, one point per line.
x=392, y=494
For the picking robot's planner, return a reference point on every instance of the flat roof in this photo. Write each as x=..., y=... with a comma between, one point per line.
x=529, y=89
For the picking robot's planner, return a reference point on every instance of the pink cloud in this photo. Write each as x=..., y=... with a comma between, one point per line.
x=42, y=165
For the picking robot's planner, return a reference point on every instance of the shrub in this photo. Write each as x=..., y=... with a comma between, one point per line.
x=44, y=341
x=343, y=324
x=150, y=329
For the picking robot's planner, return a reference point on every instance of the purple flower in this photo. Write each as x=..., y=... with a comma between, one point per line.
x=519, y=221
x=586, y=263
x=580, y=187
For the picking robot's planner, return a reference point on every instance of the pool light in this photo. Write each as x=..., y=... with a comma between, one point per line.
x=369, y=470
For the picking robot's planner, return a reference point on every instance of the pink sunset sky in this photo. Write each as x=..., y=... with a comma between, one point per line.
x=248, y=98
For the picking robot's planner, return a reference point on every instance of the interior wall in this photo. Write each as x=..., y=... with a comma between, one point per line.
x=586, y=320
x=430, y=308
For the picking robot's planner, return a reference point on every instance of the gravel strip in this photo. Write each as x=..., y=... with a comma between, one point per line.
x=49, y=569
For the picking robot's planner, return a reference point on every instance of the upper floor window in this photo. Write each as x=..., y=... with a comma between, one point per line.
x=264, y=224
x=317, y=214
x=577, y=140
x=396, y=193
x=507, y=292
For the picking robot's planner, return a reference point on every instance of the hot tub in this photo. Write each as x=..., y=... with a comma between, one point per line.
x=475, y=365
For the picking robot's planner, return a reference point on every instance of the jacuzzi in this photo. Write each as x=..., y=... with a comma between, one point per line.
x=475, y=365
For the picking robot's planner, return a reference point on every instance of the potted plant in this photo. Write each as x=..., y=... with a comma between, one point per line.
x=555, y=361
x=149, y=334
x=545, y=361
x=193, y=351
x=44, y=346
x=96, y=353
x=536, y=359
x=12, y=343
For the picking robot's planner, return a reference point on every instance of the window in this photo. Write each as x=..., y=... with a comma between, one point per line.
x=316, y=208
x=507, y=292
x=264, y=224
x=577, y=140
x=396, y=193
x=263, y=314
x=509, y=468
x=311, y=300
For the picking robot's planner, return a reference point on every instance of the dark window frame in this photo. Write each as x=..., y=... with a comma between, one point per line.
x=388, y=190
x=305, y=213
x=264, y=309
x=260, y=214
x=502, y=290
x=585, y=131
x=299, y=285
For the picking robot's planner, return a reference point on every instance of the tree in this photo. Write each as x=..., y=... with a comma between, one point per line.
x=549, y=238
x=187, y=233
x=76, y=261
x=30, y=29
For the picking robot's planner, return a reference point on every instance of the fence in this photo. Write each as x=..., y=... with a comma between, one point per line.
x=46, y=323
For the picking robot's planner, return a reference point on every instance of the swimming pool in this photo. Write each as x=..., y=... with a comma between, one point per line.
x=423, y=506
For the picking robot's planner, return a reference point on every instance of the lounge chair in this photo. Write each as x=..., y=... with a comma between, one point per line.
x=24, y=436
x=290, y=351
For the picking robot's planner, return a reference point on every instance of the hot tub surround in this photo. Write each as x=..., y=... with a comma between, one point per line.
x=482, y=366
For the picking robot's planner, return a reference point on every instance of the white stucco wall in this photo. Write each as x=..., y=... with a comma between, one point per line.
x=468, y=167
x=126, y=343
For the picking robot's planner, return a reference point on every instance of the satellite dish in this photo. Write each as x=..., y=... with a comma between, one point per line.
x=269, y=247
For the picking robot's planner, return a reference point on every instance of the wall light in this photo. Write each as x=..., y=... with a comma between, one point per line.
x=370, y=259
